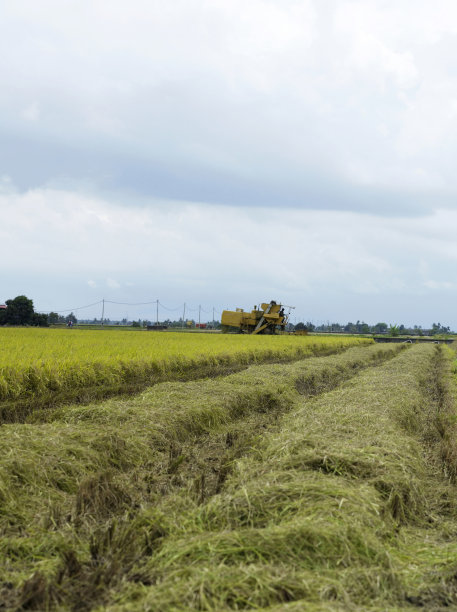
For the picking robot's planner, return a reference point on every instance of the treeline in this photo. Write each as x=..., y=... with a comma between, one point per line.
x=380, y=328
x=145, y=322
x=20, y=311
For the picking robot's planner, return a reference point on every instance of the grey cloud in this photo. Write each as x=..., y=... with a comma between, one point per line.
x=296, y=104
x=32, y=162
x=149, y=144
x=329, y=264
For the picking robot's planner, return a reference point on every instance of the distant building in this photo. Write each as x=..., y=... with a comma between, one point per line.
x=3, y=306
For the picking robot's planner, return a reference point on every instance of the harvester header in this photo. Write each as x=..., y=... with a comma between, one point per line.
x=264, y=320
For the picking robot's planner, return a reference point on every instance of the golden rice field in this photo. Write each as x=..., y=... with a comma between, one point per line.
x=46, y=362
x=323, y=484
x=323, y=476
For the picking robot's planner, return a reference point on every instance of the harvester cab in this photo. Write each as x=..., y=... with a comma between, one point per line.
x=264, y=320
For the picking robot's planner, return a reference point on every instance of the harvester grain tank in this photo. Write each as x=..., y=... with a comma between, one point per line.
x=264, y=320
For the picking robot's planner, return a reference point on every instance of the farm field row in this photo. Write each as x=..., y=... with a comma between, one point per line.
x=323, y=484
x=51, y=365
x=347, y=505
x=94, y=498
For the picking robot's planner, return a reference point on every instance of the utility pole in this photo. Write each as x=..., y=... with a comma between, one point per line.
x=103, y=310
x=183, y=315
x=213, y=317
x=199, y=310
x=157, y=312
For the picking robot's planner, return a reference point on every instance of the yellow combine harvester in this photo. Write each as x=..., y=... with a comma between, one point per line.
x=264, y=320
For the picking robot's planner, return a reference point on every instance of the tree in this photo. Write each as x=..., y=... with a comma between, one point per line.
x=20, y=311
x=53, y=318
x=437, y=328
x=394, y=330
x=350, y=328
x=71, y=317
x=380, y=328
x=40, y=319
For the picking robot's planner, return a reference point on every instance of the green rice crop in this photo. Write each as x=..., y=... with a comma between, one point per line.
x=55, y=364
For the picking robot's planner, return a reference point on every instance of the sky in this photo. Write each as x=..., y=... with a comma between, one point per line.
x=221, y=153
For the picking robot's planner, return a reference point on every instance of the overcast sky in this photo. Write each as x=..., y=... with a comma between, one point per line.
x=228, y=152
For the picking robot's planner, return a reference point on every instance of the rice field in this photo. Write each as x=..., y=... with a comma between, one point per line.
x=318, y=483
x=73, y=364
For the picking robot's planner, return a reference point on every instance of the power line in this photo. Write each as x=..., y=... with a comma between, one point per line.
x=72, y=309
x=131, y=303
x=149, y=303
x=166, y=308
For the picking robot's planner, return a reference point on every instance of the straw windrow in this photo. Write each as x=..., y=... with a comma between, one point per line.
x=315, y=485
x=107, y=468
x=343, y=508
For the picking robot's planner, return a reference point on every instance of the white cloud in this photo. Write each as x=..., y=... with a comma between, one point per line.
x=32, y=112
x=219, y=255
x=112, y=284
x=6, y=185
x=269, y=92
x=432, y=284
x=372, y=53
x=281, y=110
